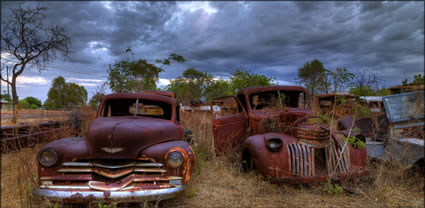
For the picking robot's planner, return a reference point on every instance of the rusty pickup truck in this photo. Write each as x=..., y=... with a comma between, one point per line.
x=281, y=138
x=134, y=151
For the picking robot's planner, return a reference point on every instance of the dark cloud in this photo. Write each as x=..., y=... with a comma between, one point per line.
x=271, y=38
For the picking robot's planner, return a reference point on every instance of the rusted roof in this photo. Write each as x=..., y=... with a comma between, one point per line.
x=250, y=90
x=159, y=92
x=406, y=88
x=337, y=94
x=141, y=96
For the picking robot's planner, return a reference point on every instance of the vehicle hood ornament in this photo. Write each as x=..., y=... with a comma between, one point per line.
x=112, y=150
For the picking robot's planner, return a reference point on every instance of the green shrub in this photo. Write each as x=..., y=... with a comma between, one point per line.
x=334, y=189
x=23, y=104
x=355, y=142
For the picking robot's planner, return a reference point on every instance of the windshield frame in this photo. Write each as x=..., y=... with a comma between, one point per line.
x=279, y=92
x=151, y=98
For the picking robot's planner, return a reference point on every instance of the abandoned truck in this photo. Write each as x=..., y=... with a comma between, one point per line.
x=281, y=138
x=134, y=151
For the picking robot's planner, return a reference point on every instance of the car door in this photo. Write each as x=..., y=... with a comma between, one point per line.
x=229, y=120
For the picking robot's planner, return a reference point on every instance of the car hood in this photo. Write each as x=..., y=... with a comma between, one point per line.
x=125, y=137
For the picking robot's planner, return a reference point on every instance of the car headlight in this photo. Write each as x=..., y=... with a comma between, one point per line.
x=274, y=145
x=47, y=157
x=175, y=159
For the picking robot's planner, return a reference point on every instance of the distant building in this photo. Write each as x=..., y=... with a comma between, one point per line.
x=406, y=88
x=6, y=105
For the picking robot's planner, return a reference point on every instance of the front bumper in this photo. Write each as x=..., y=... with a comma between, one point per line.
x=108, y=196
x=318, y=178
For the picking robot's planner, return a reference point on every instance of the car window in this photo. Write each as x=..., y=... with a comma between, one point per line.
x=137, y=107
x=277, y=100
x=226, y=107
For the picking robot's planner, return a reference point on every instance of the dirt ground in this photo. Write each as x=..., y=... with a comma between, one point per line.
x=218, y=182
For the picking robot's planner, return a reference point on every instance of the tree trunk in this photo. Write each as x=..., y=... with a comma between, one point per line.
x=15, y=100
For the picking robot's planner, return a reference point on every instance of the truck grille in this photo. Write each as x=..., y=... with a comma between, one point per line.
x=335, y=153
x=302, y=159
x=110, y=175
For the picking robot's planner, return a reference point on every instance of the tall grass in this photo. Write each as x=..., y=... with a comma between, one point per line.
x=19, y=165
x=219, y=182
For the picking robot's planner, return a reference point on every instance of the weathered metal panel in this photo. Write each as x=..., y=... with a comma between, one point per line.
x=229, y=123
x=404, y=107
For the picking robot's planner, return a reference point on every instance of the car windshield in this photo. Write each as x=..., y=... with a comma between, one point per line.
x=278, y=99
x=137, y=107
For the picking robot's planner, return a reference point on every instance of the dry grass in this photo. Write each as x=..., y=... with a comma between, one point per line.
x=218, y=182
x=33, y=116
x=19, y=168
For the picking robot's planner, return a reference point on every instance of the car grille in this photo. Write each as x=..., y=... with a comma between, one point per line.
x=303, y=158
x=143, y=173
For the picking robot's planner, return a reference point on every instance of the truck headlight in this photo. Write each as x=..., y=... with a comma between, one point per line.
x=47, y=157
x=175, y=159
x=274, y=144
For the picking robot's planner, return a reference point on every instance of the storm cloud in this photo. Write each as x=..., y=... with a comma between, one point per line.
x=270, y=38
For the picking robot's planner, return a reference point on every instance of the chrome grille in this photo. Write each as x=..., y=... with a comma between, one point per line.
x=111, y=175
x=112, y=170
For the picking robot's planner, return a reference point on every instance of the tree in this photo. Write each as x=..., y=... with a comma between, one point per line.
x=367, y=84
x=25, y=38
x=367, y=91
x=362, y=91
x=418, y=79
x=366, y=79
x=312, y=76
x=242, y=78
x=382, y=92
x=338, y=79
x=191, y=86
x=65, y=95
x=218, y=88
x=98, y=96
x=23, y=104
x=136, y=75
x=32, y=101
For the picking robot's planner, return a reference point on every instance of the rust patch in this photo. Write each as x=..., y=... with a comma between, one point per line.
x=79, y=198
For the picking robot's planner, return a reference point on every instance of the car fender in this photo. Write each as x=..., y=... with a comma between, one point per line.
x=159, y=153
x=268, y=163
x=67, y=149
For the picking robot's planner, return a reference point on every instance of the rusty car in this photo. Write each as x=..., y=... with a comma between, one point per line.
x=281, y=138
x=130, y=154
x=343, y=103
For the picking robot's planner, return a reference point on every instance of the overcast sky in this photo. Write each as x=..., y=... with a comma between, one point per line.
x=269, y=38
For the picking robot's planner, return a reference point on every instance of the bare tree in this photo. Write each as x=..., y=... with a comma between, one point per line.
x=367, y=79
x=29, y=42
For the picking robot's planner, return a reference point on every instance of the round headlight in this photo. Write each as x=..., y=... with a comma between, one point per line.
x=47, y=157
x=175, y=159
x=274, y=145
